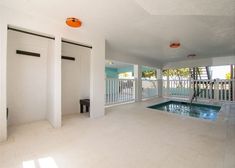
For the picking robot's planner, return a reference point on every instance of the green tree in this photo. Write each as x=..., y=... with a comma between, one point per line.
x=149, y=73
x=177, y=74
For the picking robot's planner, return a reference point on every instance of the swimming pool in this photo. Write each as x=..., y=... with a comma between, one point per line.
x=208, y=112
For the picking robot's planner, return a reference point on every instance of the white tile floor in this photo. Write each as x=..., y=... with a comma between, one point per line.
x=129, y=136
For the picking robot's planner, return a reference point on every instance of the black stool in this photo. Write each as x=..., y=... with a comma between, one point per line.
x=85, y=102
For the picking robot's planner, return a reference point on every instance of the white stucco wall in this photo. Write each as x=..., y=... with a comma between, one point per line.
x=26, y=78
x=75, y=77
x=3, y=79
x=97, y=78
x=54, y=84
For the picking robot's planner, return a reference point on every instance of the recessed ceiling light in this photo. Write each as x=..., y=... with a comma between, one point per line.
x=73, y=22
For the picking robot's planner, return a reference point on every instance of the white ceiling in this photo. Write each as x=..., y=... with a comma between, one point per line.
x=117, y=64
x=188, y=7
x=145, y=28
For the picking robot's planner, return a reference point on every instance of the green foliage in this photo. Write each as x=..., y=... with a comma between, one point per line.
x=149, y=73
x=178, y=73
x=228, y=75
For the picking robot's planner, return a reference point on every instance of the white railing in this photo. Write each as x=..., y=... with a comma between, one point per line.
x=218, y=90
x=226, y=90
x=204, y=89
x=149, y=88
x=176, y=88
x=119, y=91
x=123, y=90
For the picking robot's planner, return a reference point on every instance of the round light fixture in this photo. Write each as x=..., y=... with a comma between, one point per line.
x=73, y=22
x=175, y=45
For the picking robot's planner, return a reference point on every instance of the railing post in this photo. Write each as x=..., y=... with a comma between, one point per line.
x=216, y=92
x=210, y=92
x=233, y=83
x=159, y=83
x=138, y=83
x=230, y=90
x=168, y=87
x=190, y=88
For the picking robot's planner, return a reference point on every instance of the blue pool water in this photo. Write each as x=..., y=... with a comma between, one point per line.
x=195, y=110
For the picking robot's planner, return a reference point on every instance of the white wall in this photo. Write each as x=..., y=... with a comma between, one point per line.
x=54, y=83
x=3, y=53
x=85, y=62
x=47, y=26
x=75, y=77
x=97, y=78
x=26, y=78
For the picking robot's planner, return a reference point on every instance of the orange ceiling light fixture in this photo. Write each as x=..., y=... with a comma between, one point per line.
x=175, y=44
x=73, y=22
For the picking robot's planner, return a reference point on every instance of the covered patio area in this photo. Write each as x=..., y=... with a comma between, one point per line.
x=143, y=70
x=193, y=84
x=130, y=135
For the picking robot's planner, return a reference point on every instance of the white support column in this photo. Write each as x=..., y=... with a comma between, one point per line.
x=3, y=81
x=58, y=50
x=97, y=78
x=160, y=83
x=138, y=82
x=54, y=84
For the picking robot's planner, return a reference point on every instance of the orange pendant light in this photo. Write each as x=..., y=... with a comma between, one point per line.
x=73, y=22
x=175, y=45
